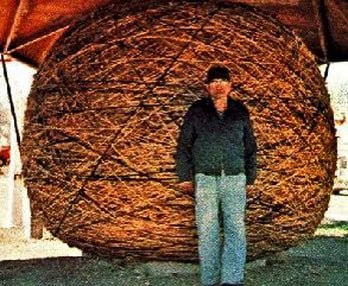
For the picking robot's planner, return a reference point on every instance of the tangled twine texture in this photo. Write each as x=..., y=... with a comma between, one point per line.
x=105, y=111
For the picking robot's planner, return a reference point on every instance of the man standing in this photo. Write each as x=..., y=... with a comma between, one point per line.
x=217, y=151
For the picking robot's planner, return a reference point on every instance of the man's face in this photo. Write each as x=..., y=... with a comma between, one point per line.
x=219, y=88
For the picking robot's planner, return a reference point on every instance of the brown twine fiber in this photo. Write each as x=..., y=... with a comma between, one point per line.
x=103, y=119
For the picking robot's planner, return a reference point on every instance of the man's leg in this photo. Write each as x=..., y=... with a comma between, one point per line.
x=233, y=202
x=207, y=220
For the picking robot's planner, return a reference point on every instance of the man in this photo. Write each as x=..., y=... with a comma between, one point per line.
x=217, y=151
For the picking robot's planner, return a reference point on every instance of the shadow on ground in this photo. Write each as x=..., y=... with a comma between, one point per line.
x=320, y=261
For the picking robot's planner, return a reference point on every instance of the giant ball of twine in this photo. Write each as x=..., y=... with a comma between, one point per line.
x=105, y=111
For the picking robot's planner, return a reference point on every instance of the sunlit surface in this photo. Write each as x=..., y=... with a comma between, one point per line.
x=14, y=203
x=337, y=85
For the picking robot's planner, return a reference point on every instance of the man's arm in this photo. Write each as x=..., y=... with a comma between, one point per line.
x=250, y=149
x=184, y=164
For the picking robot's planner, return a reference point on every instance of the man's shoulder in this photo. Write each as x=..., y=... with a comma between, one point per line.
x=199, y=104
x=201, y=101
x=239, y=108
x=237, y=102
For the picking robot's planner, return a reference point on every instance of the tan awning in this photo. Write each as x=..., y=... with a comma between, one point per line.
x=29, y=28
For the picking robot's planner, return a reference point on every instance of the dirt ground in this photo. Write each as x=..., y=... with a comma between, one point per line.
x=322, y=260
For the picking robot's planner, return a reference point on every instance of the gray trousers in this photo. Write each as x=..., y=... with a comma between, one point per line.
x=222, y=259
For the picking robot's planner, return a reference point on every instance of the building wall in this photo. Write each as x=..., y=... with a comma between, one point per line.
x=342, y=150
x=14, y=202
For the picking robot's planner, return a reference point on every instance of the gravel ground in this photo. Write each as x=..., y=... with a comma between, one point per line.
x=320, y=261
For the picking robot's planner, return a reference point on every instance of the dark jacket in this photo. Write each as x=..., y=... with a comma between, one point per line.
x=209, y=142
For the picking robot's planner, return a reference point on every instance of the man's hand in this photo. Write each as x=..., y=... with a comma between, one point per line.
x=186, y=186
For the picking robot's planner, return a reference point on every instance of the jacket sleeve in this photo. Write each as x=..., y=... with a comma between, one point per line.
x=250, y=149
x=184, y=160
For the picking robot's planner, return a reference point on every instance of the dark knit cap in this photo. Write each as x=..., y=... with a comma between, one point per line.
x=218, y=71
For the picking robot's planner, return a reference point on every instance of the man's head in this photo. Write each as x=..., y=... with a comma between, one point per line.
x=218, y=81
x=218, y=71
